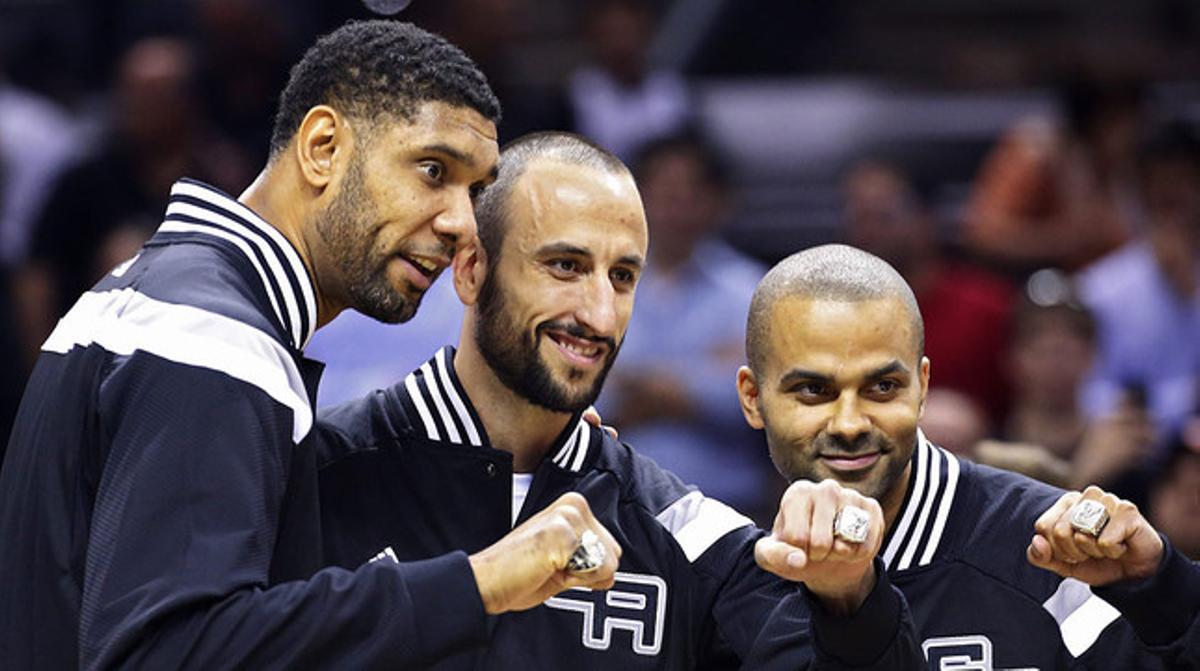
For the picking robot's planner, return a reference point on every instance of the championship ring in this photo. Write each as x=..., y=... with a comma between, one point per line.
x=851, y=524
x=590, y=554
x=1089, y=517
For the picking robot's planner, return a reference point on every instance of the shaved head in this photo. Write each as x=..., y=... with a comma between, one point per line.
x=491, y=209
x=829, y=272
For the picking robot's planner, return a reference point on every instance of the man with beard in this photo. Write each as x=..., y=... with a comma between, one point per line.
x=837, y=378
x=479, y=438
x=158, y=500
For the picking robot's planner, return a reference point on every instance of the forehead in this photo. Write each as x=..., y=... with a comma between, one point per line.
x=556, y=201
x=439, y=125
x=839, y=337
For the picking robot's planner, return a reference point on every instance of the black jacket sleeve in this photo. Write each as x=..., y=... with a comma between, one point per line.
x=184, y=527
x=770, y=623
x=800, y=634
x=1163, y=611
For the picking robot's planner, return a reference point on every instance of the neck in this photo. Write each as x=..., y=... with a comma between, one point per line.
x=893, y=499
x=276, y=197
x=513, y=424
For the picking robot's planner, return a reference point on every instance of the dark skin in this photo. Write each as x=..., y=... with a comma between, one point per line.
x=419, y=177
x=407, y=217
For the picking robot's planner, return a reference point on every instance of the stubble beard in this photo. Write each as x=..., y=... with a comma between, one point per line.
x=344, y=228
x=516, y=361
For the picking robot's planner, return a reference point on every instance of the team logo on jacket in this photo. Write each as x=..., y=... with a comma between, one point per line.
x=961, y=653
x=636, y=604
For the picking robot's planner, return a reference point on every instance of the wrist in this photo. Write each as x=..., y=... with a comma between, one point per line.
x=847, y=599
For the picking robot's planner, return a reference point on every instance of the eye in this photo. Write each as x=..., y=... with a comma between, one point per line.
x=809, y=390
x=624, y=277
x=564, y=266
x=477, y=190
x=884, y=388
x=434, y=171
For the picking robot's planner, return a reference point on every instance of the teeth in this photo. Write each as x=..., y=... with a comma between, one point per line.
x=427, y=265
x=583, y=351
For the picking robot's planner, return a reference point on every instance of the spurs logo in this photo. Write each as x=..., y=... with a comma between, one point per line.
x=636, y=603
x=961, y=653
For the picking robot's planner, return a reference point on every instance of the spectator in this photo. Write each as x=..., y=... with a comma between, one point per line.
x=1175, y=495
x=1061, y=195
x=101, y=211
x=1046, y=434
x=1145, y=295
x=967, y=309
x=619, y=101
x=671, y=391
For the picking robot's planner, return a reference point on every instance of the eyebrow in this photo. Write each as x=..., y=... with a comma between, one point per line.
x=452, y=152
x=575, y=250
x=798, y=374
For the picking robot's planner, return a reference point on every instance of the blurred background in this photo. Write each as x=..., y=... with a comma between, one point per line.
x=1030, y=166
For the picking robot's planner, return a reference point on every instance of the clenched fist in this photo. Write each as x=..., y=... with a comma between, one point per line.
x=1127, y=548
x=803, y=547
x=529, y=565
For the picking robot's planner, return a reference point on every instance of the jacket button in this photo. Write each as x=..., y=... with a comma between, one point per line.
x=490, y=470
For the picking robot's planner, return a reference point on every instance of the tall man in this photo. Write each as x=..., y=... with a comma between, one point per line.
x=837, y=378
x=477, y=439
x=158, y=500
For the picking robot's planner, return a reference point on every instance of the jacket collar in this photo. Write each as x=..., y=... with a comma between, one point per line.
x=444, y=413
x=197, y=209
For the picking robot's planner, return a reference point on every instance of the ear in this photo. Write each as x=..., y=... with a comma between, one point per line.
x=317, y=144
x=924, y=377
x=748, y=396
x=470, y=267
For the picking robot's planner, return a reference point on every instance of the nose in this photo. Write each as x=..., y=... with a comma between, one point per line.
x=597, y=306
x=848, y=420
x=456, y=225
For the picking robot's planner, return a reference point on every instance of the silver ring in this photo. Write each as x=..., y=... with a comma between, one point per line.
x=852, y=524
x=1089, y=517
x=590, y=554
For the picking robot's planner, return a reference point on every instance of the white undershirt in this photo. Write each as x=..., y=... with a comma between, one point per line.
x=521, y=483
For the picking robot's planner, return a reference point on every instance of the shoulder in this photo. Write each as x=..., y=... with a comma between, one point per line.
x=695, y=522
x=190, y=306
x=361, y=424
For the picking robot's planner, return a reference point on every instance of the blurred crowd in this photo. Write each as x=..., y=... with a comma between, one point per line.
x=1061, y=292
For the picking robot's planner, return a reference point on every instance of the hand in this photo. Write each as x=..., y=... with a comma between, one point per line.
x=1128, y=547
x=528, y=565
x=803, y=548
x=1113, y=445
x=592, y=416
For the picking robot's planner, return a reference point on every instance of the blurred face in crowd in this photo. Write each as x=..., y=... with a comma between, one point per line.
x=840, y=393
x=404, y=206
x=881, y=215
x=155, y=104
x=680, y=203
x=1171, y=192
x=553, y=309
x=1175, y=505
x=1050, y=358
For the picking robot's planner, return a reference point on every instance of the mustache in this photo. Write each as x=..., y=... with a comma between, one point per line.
x=577, y=331
x=830, y=444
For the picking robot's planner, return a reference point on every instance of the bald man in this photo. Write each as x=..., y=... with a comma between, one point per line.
x=999, y=571
x=481, y=438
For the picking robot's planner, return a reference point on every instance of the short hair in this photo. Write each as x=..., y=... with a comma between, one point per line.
x=691, y=143
x=491, y=208
x=827, y=272
x=366, y=69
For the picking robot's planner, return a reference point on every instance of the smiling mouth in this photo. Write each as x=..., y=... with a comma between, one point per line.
x=581, y=350
x=426, y=266
x=851, y=462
